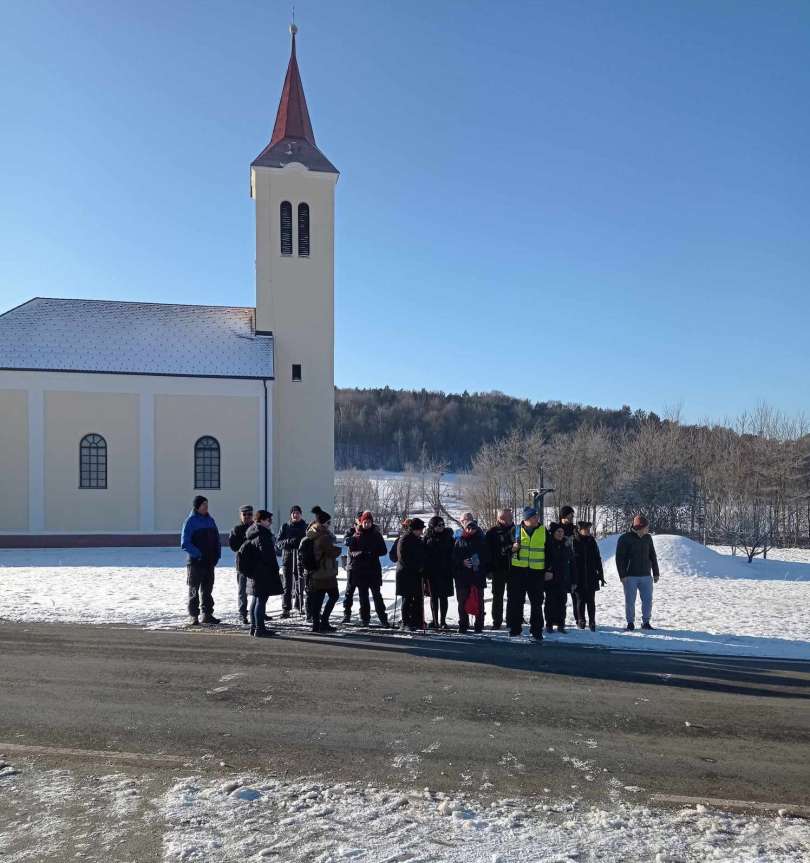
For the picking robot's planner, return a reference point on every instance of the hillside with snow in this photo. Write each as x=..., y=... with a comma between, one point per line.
x=705, y=602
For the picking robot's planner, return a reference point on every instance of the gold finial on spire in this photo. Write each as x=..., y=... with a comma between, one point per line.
x=293, y=28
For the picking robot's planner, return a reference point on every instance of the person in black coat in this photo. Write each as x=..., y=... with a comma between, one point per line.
x=410, y=553
x=236, y=539
x=259, y=557
x=292, y=532
x=561, y=574
x=589, y=575
x=439, y=570
x=365, y=547
x=470, y=567
x=348, y=596
x=500, y=539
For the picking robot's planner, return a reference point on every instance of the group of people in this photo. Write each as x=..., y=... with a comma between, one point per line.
x=520, y=561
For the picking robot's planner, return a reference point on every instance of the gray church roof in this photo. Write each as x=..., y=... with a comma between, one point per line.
x=134, y=338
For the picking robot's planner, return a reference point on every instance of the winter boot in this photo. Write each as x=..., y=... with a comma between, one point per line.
x=210, y=619
x=384, y=623
x=326, y=627
x=433, y=625
x=264, y=633
x=365, y=623
x=194, y=621
x=630, y=627
x=245, y=620
x=561, y=628
x=593, y=626
x=549, y=627
x=581, y=624
x=646, y=625
x=347, y=617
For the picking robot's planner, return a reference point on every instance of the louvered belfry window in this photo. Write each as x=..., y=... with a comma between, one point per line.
x=206, y=463
x=303, y=230
x=286, y=228
x=93, y=462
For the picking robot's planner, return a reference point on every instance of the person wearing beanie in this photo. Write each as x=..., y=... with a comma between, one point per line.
x=259, y=553
x=199, y=538
x=439, y=570
x=500, y=538
x=292, y=532
x=526, y=576
x=470, y=568
x=236, y=538
x=561, y=575
x=589, y=575
x=323, y=578
x=364, y=549
x=637, y=565
x=410, y=572
x=348, y=596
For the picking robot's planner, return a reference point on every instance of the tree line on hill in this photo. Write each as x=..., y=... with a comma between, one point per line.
x=385, y=429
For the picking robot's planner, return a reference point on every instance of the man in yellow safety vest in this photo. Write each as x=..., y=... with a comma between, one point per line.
x=526, y=575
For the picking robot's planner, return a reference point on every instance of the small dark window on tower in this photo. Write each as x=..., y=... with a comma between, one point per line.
x=206, y=463
x=296, y=371
x=286, y=228
x=303, y=230
x=93, y=462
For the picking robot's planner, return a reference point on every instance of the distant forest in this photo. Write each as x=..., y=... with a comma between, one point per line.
x=385, y=429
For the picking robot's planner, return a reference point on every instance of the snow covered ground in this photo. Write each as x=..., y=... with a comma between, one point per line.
x=242, y=817
x=705, y=602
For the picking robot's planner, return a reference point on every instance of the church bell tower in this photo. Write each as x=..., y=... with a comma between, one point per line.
x=293, y=185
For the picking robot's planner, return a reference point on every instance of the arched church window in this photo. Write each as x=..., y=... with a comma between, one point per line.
x=303, y=230
x=93, y=461
x=286, y=228
x=206, y=463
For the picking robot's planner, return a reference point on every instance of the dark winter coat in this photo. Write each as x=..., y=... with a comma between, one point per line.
x=439, y=562
x=500, y=539
x=635, y=555
x=561, y=562
x=236, y=539
x=410, y=564
x=200, y=539
x=364, y=550
x=264, y=579
x=468, y=545
x=589, y=563
x=292, y=532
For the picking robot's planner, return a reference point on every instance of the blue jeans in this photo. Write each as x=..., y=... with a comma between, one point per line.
x=257, y=607
x=644, y=585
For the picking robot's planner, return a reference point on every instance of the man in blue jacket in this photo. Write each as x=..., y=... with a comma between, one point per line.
x=200, y=540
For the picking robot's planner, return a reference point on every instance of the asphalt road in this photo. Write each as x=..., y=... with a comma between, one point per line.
x=445, y=713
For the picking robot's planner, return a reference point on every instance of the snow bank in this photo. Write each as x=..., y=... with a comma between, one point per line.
x=706, y=602
x=233, y=818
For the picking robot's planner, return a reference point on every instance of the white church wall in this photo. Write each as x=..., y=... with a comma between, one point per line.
x=180, y=420
x=69, y=416
x=14, y=459
x=43, y=416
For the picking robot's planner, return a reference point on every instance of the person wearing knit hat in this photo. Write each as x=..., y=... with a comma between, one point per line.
x=323, y=579
x=289, y=538
x=236, y=539
x=364, y=570
x=637, y=565
x=199, y=538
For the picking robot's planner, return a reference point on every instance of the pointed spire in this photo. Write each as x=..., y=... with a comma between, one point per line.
x=293, y=139
x=292, y=118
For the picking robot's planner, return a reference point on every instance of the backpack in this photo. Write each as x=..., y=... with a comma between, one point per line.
x=248, y=559
x=393, y=554
x=306, y=554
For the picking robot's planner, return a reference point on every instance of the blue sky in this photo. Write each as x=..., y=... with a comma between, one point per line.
x=595, y=202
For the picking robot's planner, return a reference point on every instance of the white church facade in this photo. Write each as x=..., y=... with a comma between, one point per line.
x=114, y=415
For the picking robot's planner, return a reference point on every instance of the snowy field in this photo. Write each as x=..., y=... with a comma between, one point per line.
x=201, y=819
x=706, y=602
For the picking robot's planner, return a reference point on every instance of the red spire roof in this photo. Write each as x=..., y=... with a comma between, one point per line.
x=292, y=119
x=293, y=139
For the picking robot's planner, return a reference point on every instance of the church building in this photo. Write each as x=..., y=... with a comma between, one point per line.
x=114, y=415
